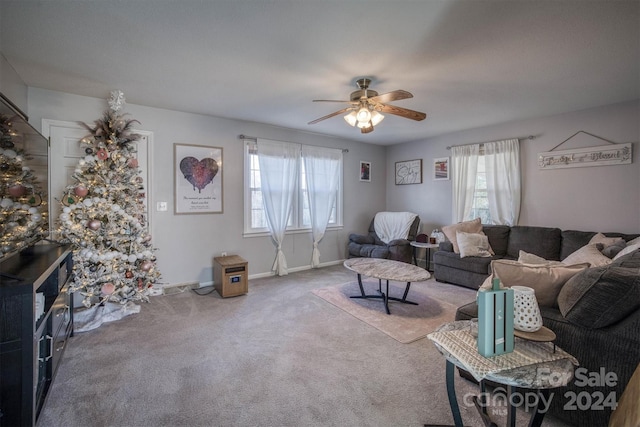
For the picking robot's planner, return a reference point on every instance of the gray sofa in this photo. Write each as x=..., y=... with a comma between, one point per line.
x=370, y=245
x=597, y=321
x=548, y=243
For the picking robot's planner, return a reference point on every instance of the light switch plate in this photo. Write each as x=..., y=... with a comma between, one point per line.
x=161, y=206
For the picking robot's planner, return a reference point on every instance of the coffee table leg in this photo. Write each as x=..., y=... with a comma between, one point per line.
x=386, y=299
x=360, y=284
x=406, y=291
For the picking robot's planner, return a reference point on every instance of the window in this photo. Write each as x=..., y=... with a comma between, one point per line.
x=255, y=219
x=480, y=206
x=486, y=182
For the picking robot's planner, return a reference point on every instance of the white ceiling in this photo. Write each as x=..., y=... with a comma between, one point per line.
x=468, y=63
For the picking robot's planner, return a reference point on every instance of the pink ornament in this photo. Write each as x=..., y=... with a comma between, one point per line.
x=94, y=224
x=132, y=163
x=102, y=154
x=108, y=288
x=17, y=190
x=81, y=190
x=146, y=265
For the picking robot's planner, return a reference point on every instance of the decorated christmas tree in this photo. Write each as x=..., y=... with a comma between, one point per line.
x=23, y=206
x=103, y=215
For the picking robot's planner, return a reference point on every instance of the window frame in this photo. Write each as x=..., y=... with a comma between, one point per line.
x=297, y=214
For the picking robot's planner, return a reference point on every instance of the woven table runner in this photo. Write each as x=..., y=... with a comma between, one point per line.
x=463, y=346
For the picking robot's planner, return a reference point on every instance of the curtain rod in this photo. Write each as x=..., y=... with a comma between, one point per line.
x=253, y=138
x=482, y=143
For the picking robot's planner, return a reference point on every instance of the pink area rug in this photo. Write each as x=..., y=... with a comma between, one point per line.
x=406, y=323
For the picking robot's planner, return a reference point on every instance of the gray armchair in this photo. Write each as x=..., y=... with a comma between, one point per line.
x=370, y=245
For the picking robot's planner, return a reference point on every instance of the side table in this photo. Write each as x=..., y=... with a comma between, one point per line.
x=535, y=366
x=427, y=247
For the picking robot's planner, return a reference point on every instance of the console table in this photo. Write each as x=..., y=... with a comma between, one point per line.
x=386, y=269
x=36, y=321
x=536, y=366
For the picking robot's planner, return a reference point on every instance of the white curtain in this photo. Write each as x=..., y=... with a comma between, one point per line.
x=502, y=162
x=279, y=162
x=464, y=168
x=322, y=172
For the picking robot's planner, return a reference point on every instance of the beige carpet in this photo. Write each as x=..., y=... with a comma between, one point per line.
x=406, y=323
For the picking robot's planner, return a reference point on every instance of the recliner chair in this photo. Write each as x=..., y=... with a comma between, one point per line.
x=370, y=245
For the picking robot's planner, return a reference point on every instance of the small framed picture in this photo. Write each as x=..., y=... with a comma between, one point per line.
x=409, y=172
x=441, y=168
x=198, y=179
x=365, y=171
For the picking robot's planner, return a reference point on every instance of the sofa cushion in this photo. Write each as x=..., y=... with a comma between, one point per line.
x=473, y=244
x=546, y=280
x=589, y=254
x=572, y=240
x=368, y=251
x=478, y=265
x=600, y=296
x=542, y=241
x=498, y=237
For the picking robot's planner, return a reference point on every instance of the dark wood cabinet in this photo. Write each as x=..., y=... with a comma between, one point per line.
x=36, y=321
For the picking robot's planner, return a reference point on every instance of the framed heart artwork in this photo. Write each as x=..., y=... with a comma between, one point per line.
x=198, y=179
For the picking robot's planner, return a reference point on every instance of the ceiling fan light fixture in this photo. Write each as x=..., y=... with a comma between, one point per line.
x=363, y=125
x=376, y=118
x=351, y=118
x=363, y=115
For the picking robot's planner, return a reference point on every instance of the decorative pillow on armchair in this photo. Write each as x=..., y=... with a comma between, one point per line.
x=546, y=280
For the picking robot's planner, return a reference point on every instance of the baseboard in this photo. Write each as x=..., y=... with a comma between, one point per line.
x=168, y=287
x=296, y=269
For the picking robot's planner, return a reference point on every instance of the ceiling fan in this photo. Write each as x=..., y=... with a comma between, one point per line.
x=367, y=106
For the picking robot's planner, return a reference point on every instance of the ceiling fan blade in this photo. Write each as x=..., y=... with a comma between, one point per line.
x=391, y=96
x=403, y=112
x=334, y=100
x=328, y=116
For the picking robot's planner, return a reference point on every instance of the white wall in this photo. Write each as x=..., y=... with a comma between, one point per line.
x=187, y=244
x=11, y=85
x=600, y=198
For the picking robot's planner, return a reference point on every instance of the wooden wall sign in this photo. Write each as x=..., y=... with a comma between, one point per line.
x=615, y=154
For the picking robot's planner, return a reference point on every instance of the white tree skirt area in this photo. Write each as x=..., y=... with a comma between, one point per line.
x=94, y=317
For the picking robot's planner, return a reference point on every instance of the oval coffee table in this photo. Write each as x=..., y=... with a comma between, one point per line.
x=386, y=269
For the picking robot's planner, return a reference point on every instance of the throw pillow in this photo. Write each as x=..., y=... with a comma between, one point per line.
x=473, y=244
x=613, y=250
x=527, y=258
x=474, y=226
x=601, y=296
x=606, y=241
x=628, y=249
x=546, y=280
x=588, y=253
